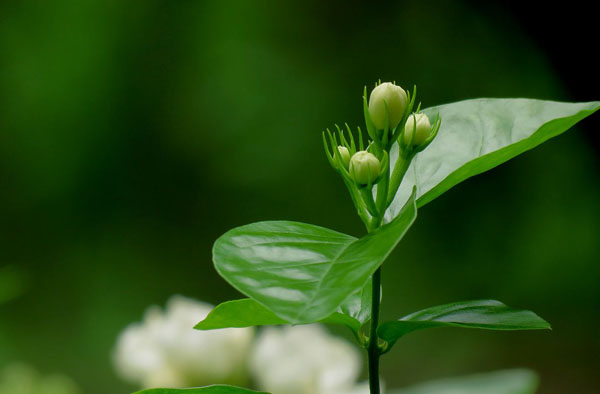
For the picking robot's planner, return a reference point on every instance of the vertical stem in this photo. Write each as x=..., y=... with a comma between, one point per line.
x=373, y=349
x=400, y=169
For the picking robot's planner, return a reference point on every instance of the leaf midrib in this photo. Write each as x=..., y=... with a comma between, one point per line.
x=316, y=291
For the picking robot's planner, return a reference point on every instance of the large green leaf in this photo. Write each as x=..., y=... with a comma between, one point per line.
x=515, y=381
x=248, y=313
x=216, y=389
x=484, y=314
x=304, y=273
x=477, y=135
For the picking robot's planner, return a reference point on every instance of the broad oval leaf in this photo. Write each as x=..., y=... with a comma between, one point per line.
x=478, y=135
x=483, y=314
x=216, y=389
x=513, y=381
x=301, y=272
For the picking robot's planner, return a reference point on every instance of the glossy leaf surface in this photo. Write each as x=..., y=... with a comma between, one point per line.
x=301, y=272
x=515, y=381
x=216, y=389
x=478, y=135
x=483, y=314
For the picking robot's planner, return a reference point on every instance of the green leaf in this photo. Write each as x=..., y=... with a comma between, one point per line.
x=515, y=381
x=304, y=273
x=239, y=313
x=248, y=313
x=483, y=314
x=353, y=313
x=478, y=135
x=358, y=305
x=216, y=389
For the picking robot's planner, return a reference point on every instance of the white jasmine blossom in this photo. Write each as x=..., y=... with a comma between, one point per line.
x=305, y=360
x=165, y=351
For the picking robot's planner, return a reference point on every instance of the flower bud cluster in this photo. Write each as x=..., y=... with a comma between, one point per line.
x=367, y=172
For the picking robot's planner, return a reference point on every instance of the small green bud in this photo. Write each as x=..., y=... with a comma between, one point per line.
x=422, y=132
x=396, y=99
x=364, y=167
x=345, y=155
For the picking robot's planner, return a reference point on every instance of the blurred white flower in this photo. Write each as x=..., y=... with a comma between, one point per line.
x=23, y=379
x=165, y=351
x=305, y=360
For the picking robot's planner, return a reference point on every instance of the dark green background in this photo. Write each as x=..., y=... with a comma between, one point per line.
x=134, y=133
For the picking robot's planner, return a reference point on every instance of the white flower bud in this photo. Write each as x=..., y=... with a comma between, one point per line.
x=305, y=360
x=422, y=131
x=165, y=351
x=364, y=167
x=396, y=99
x=345, y=155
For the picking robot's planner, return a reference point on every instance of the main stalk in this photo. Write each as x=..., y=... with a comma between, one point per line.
x=373, y=349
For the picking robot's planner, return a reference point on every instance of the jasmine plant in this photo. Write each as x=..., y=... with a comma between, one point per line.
x=297, y=273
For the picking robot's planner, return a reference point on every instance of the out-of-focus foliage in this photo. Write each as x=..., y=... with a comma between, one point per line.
x=22, y=379
x=13, y=283
x=134, y=134
x=517, y=381
x=215, y=389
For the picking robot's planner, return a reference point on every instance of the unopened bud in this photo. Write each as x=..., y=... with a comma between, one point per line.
x=418, y=134
x=396, y=100
x=364, y=168
x=345, y=155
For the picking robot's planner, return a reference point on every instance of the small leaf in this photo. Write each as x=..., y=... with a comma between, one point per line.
x=354, y=312
x=515, y=381
x=216, y=389
x=478, y=135
x=239, y=313
x=301, y=272
x=248, y=313
x=483, y=314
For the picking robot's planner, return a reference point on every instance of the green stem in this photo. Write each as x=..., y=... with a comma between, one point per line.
x=382, y=194
x=373, y=349
x=367, y=195
x=357, y=201
x=400, y=169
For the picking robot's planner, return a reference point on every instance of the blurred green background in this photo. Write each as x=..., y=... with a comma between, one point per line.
x=134, y=133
